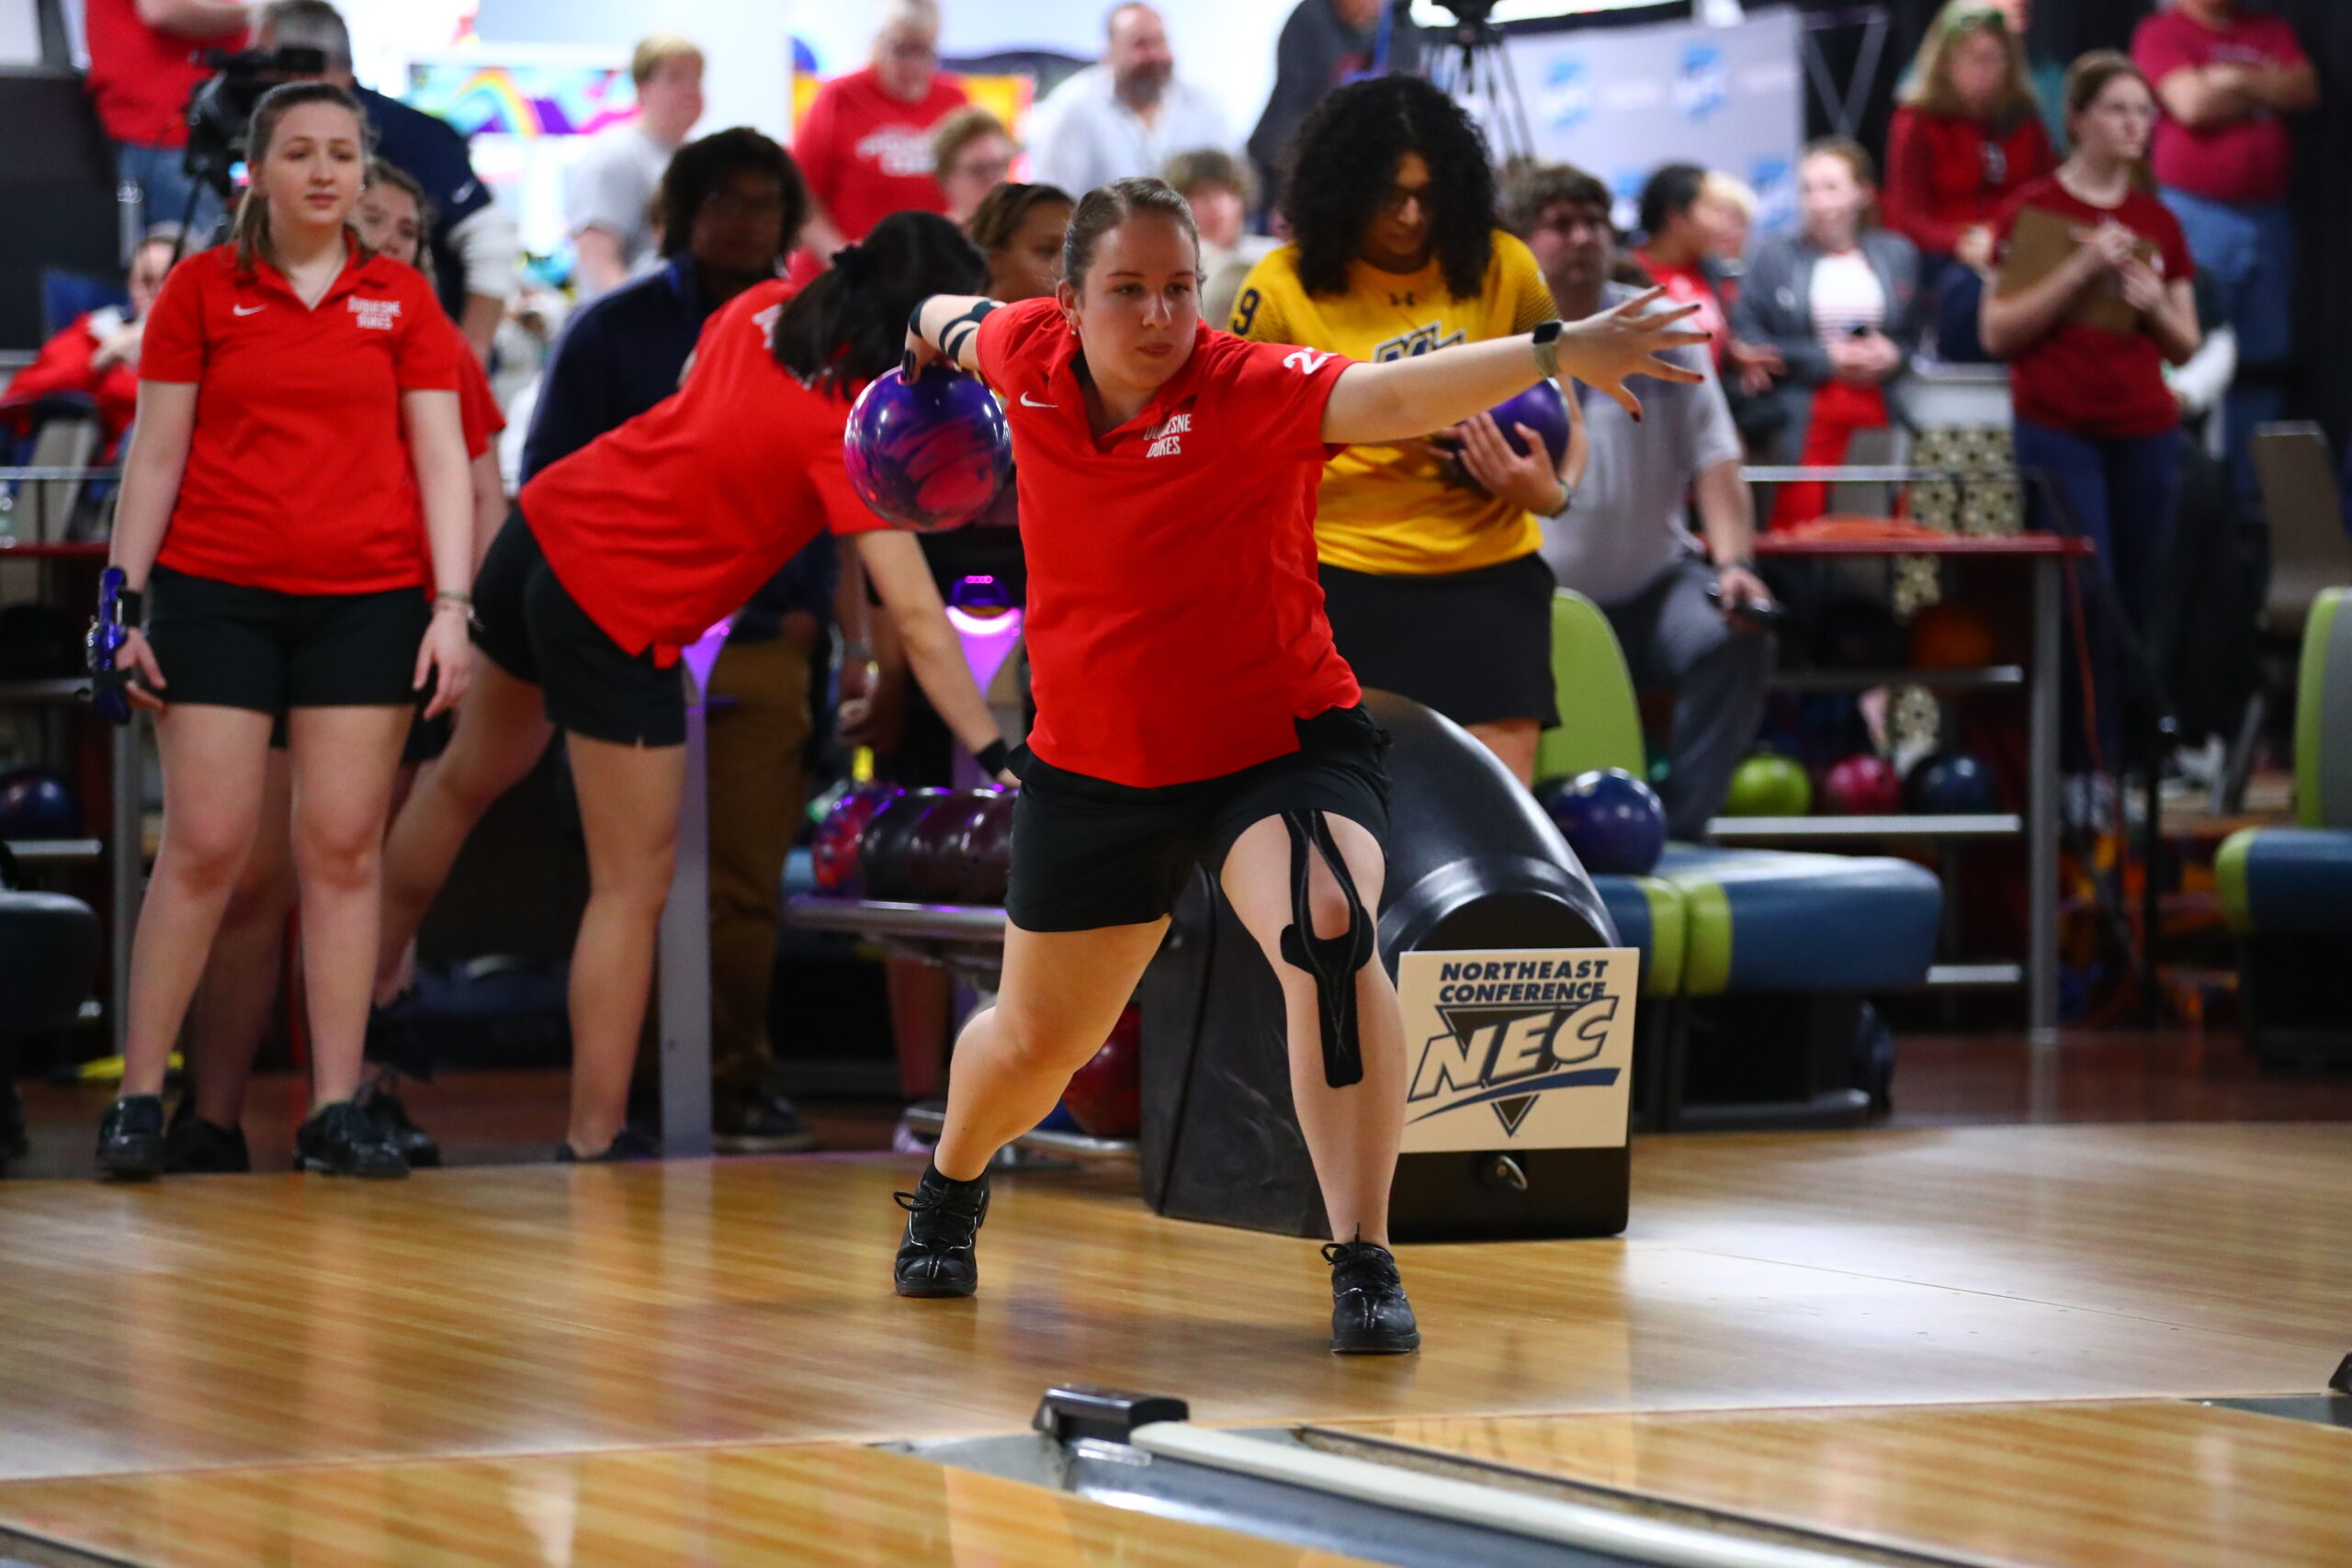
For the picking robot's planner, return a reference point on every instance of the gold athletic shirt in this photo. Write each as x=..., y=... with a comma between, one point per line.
x=1381, y=509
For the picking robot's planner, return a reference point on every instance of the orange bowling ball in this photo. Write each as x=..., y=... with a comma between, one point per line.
x=1951, y=636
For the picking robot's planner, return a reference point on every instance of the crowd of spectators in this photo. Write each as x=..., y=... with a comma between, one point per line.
x=2048, y=218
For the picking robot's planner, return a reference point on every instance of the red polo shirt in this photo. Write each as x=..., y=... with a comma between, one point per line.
x=867, y=155
x=2246, y=161
x=663, y=526
x=1175, y=626
x=1692, y=286
x=477, y=408
x=141, y=76
x=1946, y=173
x=2084, y=380
x=299, y=475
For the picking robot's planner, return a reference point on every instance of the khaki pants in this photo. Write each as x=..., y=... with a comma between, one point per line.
x=759, y=722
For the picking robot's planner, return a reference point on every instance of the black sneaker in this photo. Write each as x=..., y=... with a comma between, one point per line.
x=343, y=1139
x=130, y=1137
x=193, y=1147
x=758, y=1123
x=942, y=1221
x=1370, y=1315
x=628, y=1147
x=416, y=1145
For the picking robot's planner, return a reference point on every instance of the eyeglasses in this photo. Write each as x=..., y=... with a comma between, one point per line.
x=992, y=170
x=1398, y=198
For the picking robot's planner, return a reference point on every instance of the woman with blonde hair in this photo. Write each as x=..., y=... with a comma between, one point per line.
x=1836, y=303
x=1966, y=137
x=295, y=499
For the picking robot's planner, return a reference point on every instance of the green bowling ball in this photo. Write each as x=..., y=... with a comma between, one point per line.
x=1769, y=785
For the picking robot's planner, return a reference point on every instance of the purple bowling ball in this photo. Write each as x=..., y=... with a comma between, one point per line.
x=927, y=454
x=1543, y=409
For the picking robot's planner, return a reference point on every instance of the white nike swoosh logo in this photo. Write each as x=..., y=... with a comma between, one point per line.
x=464, y=193
x=1029, y=403
x=248, y=310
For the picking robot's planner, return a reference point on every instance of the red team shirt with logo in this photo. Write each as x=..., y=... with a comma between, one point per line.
x=1175, y=628
x=665, y=526
x=299, y=477
x=867, y=155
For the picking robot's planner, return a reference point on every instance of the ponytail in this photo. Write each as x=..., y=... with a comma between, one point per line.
x=249, y=231
x=850, y=324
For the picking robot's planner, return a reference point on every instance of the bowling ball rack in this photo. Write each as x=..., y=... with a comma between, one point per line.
x=967, y=941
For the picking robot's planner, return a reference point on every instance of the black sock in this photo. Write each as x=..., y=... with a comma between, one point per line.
x=934, y=1177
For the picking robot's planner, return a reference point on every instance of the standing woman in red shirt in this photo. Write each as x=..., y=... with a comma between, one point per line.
x=620, y=556
x=1191, y=706
x=2094, y=414
x=231, y=1009
x=1967, y=136
x=298, y=409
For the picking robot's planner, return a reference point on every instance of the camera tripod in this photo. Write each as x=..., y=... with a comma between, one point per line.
x=1469, y=62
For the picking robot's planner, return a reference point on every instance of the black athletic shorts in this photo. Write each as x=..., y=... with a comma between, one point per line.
x=1476, y=646
x=226, y=645
x=1088, y=853
x=535, y=631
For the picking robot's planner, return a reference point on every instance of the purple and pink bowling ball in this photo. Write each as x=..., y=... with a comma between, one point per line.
x=840, y=839
x=930, y=454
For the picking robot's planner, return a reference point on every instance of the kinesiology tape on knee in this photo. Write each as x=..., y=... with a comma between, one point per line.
x=1332, y=960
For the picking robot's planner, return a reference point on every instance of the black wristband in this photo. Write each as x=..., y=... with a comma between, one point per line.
x=991, y=757
x=134, y=606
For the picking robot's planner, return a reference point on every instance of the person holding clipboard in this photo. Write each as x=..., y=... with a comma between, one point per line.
x=2094, y=295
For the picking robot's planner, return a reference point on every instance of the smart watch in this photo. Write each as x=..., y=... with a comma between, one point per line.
x=1545, y=339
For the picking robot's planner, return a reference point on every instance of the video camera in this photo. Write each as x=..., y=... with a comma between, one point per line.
x=221, y=108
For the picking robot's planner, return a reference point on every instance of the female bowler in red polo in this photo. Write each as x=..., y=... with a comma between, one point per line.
x=627, y=552
x=296, y=486
x=1191, y=706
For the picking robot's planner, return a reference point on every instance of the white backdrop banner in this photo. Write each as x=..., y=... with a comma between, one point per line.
x=1617, y=102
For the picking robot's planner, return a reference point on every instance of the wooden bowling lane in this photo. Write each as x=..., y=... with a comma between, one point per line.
x=241, y=1321
x=815, y=1504
x=2066, y=1485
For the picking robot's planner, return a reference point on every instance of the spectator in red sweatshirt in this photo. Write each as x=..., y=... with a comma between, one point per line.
x=865, y=148
x=98, y=353
x=1967, y=137
x=2226, y=79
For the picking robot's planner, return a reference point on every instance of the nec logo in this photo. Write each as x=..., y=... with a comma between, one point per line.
x=1501, y=1052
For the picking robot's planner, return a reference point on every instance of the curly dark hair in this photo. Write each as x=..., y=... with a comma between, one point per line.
x=1346, y=156
x=700, y=167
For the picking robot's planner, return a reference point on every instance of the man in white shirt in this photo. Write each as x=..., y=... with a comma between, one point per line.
x=1624, y=540
x=609, y=198
x=1127, y=115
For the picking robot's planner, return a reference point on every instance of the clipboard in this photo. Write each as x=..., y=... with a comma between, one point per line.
x=2039, y=243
